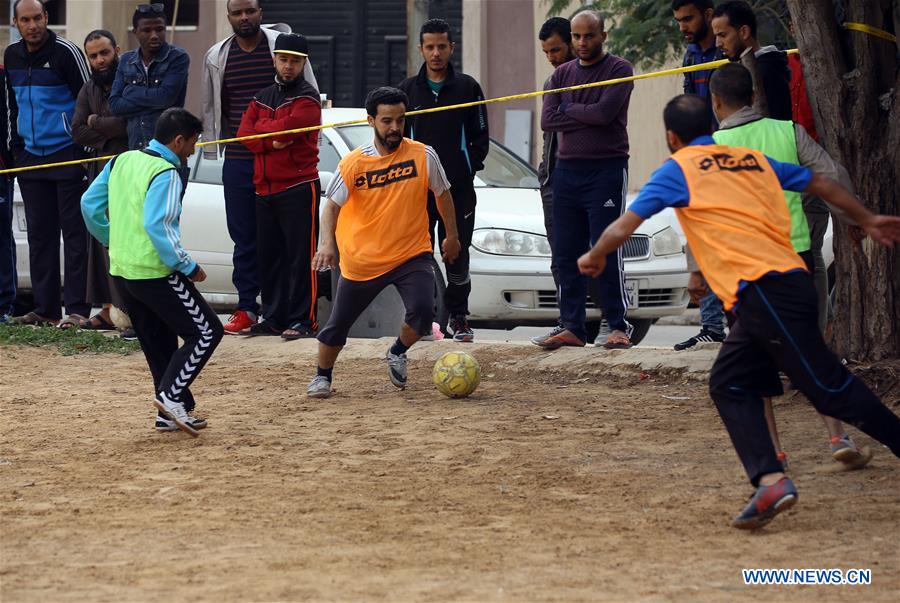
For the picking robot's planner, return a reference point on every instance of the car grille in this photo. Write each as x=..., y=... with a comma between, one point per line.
x=637, y=247
x=647, y=298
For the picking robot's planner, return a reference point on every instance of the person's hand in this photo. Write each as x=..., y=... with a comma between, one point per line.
x=883, y=229
x=325, y=257
x=278, y=145
x=91, y=119
x=591, y=266
x=199, y=276
x=450, y=249
x=697, y=287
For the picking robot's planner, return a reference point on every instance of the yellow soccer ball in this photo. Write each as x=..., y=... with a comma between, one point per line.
x=456, y=374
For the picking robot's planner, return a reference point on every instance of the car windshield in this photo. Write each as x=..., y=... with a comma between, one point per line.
x=502, y=169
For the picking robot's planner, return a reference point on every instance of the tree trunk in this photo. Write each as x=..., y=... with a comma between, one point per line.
x=853, y=86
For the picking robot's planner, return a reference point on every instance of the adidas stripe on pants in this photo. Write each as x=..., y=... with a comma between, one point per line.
x=161, y=311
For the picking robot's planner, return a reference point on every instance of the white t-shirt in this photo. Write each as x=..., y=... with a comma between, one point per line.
x=437, y=179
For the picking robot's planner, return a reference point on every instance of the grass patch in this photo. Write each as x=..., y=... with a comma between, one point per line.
x=67, y=341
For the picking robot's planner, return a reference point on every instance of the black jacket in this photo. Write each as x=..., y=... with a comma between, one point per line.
x=776, y=80
x=460, y=137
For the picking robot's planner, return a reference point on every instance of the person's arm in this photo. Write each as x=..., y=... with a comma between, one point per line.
x=16, y=142
x=477, y=135
x=118, y=104
x=82, y=133
x=208, y=104
x=305, y=113
x=593, y=262
x=814, y=157
x=94, y=205
x=109, y=126
x=162, y=210
x=667, y=187
x=883, y=229
x=74, y=69
x=166, y=94
x=257, y=146
x=551, y=118
x=326, y=254
x=612, y=99
x=450, y=245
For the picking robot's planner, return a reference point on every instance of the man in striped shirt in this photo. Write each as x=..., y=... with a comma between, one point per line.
x=234, y=70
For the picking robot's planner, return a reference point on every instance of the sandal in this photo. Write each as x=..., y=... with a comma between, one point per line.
x=34, y=319
x=618, y=340
x=97, y=322
x=72, y=321
x=297, y=330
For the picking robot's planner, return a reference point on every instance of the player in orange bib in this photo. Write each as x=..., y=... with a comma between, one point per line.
x=377, y=219
x=730, y=203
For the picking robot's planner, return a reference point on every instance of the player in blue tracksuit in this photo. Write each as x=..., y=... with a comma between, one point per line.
x=45, y=74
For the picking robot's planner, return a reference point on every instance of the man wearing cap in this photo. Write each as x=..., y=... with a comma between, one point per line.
x=286, y=178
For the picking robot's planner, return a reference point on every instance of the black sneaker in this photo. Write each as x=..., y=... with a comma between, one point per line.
x=263, y=327
x=128, y=334
x=459, y=326
x=701, y=337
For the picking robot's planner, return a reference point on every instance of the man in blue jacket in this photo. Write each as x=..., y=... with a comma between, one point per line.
x=45, y=73
x=151, y=78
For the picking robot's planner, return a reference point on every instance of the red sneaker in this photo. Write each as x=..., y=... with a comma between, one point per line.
x=239, y=321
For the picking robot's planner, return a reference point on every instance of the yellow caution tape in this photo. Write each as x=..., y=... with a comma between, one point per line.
x=872, y=31
x=501, y=99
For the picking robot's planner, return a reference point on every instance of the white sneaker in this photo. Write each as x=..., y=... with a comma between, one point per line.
x=164, y=424
x=397, y=368
x=175, y=412
x=319, y=387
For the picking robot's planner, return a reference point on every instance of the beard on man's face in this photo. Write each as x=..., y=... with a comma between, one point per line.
x=107, y=76
x=391, y=140
x=248, y=31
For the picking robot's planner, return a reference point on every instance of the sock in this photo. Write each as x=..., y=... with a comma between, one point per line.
x=398, y=348
x=324, y=372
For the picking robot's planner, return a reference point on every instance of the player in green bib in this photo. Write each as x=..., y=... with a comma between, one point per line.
x=134, y=208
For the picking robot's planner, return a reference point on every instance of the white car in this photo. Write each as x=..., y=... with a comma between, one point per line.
x=510, y=256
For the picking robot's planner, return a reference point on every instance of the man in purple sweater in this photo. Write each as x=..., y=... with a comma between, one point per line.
x=590, y=178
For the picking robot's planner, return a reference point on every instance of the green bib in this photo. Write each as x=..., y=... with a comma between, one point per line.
x=131, y=252
x=778, y=140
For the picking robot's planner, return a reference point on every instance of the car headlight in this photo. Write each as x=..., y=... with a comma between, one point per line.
x=666, y=242
x=510, y=242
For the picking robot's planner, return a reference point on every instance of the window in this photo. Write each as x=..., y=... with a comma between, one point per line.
x=188, y=12
x=56, y=11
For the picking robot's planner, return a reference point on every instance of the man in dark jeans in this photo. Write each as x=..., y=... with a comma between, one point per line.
x=45, y=73
x=590, y=179
x=235, y=69
x=286, y=176
x=731, y=206
x=694, y=18
x=462, y=142
x=7, y=242
x=150, y=79
x=556, y=42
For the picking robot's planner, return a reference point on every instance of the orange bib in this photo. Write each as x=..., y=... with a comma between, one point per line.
x=737, y=222
x=384, y=221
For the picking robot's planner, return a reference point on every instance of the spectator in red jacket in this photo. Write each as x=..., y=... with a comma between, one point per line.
x=286, y=177
x=801, y=111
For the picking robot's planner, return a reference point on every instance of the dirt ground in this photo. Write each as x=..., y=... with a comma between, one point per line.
x=543, y=486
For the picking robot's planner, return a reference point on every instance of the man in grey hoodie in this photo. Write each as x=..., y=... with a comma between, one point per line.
x=234, y=70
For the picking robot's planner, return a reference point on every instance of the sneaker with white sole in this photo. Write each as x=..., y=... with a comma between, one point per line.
x=846, y=451
x=319, y=387
x=397, y=368
x=163, y=424
x=462, y=332
x=175, y=412
x=539, y=339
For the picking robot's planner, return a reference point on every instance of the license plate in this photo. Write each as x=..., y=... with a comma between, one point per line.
x=631, y=287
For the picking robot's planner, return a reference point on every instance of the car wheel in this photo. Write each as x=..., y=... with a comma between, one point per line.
x=641, y=328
